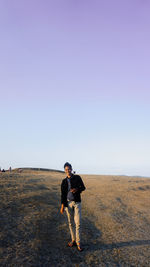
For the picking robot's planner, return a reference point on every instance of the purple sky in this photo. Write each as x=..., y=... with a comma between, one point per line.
x=75, y=85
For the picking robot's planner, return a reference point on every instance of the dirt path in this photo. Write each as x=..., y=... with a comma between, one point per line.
x=34, y=233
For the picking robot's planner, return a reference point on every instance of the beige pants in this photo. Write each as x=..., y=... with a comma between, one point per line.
x=73, y=212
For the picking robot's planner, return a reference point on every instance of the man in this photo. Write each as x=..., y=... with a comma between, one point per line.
x=71, y=188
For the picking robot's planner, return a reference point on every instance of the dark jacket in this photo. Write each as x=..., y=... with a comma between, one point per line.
x=76, y=182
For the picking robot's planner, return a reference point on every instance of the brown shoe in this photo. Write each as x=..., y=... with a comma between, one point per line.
x=71, y=243
x=79, y=247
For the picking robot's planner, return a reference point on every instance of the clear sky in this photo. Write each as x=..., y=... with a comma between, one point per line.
x=75, y=85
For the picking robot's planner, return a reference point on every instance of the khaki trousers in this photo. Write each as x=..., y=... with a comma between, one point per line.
x=73, y=212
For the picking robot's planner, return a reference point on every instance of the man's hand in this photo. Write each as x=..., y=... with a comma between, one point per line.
x=62, y=209
x=74, y=190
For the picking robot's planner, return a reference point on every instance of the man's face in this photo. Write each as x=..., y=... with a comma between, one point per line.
x=68, y=170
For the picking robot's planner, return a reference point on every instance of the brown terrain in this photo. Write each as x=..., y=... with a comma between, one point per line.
x=115, y=221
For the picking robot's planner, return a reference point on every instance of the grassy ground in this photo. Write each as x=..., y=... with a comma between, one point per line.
x=115, y=221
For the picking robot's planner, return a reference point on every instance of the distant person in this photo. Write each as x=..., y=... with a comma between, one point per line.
x=71, y=188
x=3, y=170
x=10, y=169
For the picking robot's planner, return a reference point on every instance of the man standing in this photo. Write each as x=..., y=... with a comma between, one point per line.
x=71, y=188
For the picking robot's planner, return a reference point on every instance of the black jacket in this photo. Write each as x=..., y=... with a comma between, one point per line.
x=76, y=182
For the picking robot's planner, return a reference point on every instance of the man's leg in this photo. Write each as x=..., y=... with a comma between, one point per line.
x=77, y=219
x=70, y=214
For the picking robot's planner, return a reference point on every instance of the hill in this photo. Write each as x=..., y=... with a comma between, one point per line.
x=115, y=220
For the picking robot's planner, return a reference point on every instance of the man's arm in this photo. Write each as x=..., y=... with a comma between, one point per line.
x=62, y=199
x=81, y=186
x=62, y=193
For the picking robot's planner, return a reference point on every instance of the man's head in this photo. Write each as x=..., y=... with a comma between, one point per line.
x=68, y=168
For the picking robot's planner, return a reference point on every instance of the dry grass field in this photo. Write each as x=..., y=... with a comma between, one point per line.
x=115, y=221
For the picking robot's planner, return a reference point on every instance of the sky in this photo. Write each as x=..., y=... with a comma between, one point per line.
x=75, y=85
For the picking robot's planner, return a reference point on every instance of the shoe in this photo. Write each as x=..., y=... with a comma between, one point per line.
x=71, y=243
x=79, y=247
